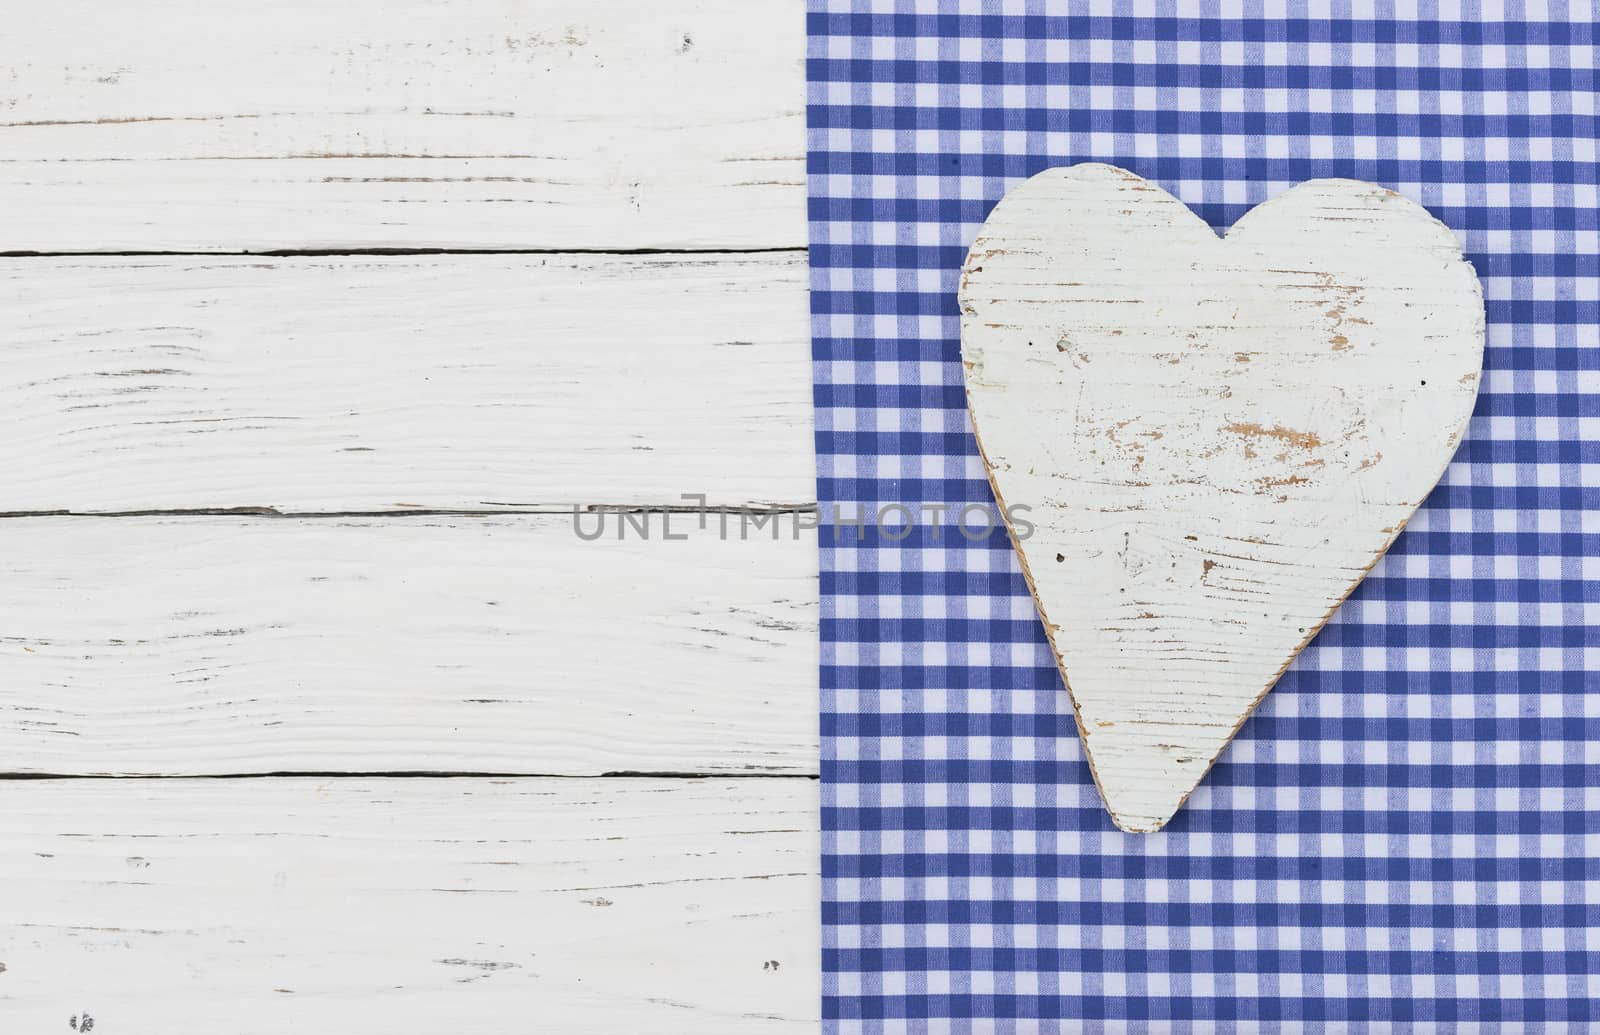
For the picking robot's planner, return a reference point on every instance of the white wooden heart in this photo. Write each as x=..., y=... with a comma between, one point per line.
x=1218, y=437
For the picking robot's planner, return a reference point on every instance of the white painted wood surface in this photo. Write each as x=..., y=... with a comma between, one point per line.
x=217, y=645
x=238, y=644
x=217, y=125
x=1218, y=438
x=391, y=383
x=375, y=907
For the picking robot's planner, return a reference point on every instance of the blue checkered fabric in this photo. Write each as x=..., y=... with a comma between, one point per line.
x=1406, y=836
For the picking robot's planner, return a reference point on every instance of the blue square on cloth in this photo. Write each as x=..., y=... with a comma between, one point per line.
x=1406, y=836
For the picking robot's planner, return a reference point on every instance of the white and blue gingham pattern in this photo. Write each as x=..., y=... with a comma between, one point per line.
x=1406, y=837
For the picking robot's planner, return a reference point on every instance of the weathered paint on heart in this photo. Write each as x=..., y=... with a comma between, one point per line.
x=1219, y=437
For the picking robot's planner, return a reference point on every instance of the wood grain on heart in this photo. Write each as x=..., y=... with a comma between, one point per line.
x=1218, y=437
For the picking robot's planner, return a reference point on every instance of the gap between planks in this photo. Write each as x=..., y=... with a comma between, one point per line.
x=505, y=510
x=414, y=774
x=327, y=253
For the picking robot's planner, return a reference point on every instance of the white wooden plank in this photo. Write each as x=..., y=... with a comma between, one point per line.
x=225, y=124
x=410, y=906
x=1218, y=438
x=377, y=383
x=217, y=645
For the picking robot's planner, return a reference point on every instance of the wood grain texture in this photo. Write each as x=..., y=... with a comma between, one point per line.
x=205, y=125
x=387, y=907
x=1217, y=438
x=384, y=383
x=159, y=645
x=217, y=645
